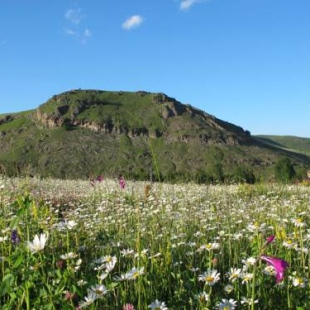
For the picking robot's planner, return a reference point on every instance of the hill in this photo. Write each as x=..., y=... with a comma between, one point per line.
x=297, y=144
x=82, y=133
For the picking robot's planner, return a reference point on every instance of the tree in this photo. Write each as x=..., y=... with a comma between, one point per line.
x=284, y=170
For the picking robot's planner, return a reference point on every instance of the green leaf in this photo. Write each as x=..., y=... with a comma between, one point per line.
x=18, y=261
x=14, y=222
x=7, y=283
x=112, y=285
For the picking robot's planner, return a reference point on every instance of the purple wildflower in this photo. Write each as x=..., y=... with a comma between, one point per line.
x=278, y=264
x=15, y=237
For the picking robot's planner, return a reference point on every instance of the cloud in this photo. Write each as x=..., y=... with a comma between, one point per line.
x=70, y=32
x=186, y=4
x=87, y=33
x=74, y=16
x=82, y=36
x=132, y=22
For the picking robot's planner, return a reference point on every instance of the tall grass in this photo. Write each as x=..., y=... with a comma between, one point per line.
x=152, y=246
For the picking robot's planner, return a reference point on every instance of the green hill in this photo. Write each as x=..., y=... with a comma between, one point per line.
x=82, y=133
x=293, y=143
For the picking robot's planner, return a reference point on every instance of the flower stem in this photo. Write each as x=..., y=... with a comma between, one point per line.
x=253, y=288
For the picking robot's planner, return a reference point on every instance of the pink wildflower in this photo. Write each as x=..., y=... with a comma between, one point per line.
x=99, y=178
x=128, y=307
x=122, y=182
x=278, y=264
x=270, y=239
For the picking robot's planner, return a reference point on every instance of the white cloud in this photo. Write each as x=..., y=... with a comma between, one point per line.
x=87, y=33
x=132, y=22
x=81, y=36
x=70, y=32
x=74, y=16
x=186, y=4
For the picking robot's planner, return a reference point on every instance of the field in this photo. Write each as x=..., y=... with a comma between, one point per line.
x=105, y=245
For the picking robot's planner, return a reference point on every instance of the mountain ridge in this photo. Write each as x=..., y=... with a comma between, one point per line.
x=79, y=133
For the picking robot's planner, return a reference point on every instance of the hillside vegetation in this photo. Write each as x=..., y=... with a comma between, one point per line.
x=297, y=144
x=141, y=135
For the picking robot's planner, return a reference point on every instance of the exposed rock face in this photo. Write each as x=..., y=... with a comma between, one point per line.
x=49, y=120
x=181, y=122
x=6, y=119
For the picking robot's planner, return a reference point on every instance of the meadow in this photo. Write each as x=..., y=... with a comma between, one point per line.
x=134, y=245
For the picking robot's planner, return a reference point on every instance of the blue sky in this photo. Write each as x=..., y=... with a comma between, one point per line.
x=244, y=61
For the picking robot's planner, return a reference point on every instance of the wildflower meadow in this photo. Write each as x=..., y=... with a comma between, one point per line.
x=116, y=244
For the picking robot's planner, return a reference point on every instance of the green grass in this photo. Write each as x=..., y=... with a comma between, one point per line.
x=161, y=240
x=297, y=144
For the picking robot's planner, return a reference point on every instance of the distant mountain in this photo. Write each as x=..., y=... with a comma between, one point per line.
x=142, y=135
x=297, y=144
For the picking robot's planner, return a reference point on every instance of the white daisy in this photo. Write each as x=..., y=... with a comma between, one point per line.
x=38, y=243
x=211, y=276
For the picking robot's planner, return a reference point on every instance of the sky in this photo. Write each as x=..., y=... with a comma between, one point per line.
x=246, y=62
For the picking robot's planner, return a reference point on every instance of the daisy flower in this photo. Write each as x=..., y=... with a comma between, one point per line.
x=158, y=305
x=228, y=288
x=68, y=255
x=209, y=247
x=269, y=270
x=248, y=301
x=298, y=222
x=2, y=239
x=299, y=281
x=70, y=224
x=250, y=261
x=203, y=297
x=99, y=289
x=127, y=252
x=247, y=277
x=210, y=277
x=134, y=273
x=38, y=243
x=226, y=304
x=110, y=266
x=288, y=243
x=234, y=274
x=89, y=299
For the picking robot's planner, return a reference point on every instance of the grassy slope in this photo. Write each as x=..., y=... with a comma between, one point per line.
x=29, y=146
x=297, y=144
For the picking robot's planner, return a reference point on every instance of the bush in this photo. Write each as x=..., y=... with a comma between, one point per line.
x=284, y=170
